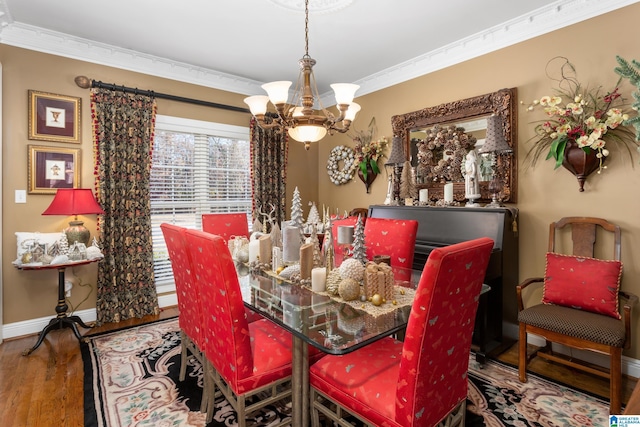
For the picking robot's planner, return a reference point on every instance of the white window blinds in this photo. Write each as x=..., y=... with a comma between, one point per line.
x=197, y=167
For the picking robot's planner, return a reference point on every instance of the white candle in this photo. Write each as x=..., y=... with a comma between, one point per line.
x=448, y=192
x=424, y=195
x=318, y=279
x=276, y=258
x=265, y=249
x=291, y=244
x=254, y=250
x=345, y=234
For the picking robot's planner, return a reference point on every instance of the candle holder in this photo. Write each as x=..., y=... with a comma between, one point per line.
x=345, y=240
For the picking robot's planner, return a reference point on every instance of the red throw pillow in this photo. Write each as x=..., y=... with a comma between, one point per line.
x=584, y=283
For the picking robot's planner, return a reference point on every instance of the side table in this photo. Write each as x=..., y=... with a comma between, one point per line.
x=62, y=320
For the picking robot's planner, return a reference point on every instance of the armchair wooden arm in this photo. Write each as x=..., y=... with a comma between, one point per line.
x=523, y=285
x=631, y=300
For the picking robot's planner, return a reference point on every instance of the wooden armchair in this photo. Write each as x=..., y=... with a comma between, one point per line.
x=580, y=305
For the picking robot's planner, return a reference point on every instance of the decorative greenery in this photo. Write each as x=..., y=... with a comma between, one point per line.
x=582, y=115
x=347, y=156
x=367, y=150
x=626, y=70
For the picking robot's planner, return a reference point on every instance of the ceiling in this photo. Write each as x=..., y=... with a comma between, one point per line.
x=238, y=45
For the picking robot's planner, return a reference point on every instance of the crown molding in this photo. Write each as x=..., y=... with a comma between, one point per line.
x=60, y=44
x=541, y=21
x=557, y=15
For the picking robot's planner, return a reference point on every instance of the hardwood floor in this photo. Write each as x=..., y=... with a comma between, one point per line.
x=46, y=388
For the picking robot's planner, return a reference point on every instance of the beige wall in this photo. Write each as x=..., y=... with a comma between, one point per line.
x=33, y=294
x=544, y=194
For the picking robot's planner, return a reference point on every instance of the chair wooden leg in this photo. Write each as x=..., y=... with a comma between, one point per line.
x=522, y=353
x=183, y=356
x=615, y=380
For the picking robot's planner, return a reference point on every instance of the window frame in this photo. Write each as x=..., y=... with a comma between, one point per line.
x=199, y=129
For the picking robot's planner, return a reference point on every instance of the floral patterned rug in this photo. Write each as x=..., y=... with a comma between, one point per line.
x=131, y=379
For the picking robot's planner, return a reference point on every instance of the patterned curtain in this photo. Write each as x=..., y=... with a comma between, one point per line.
x=123, y=127
x=269, y=150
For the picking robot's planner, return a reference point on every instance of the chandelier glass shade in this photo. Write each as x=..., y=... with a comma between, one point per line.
x=300, y=118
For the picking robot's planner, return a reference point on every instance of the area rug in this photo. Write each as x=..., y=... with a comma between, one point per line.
x=131, y=379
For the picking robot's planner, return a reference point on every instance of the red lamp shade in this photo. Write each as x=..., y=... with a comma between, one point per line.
x=74, y=201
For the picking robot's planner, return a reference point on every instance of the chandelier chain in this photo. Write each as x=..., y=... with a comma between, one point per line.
x=306, y=28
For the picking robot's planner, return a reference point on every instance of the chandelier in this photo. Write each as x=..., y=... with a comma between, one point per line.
x=298, y=118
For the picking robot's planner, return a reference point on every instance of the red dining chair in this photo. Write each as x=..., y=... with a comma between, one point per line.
x=423, y=380
x=242, y=359
x=226, y=224
x=188, y=294
x=393, y=237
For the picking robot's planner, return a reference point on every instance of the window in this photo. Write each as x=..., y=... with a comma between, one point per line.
x=197, y=167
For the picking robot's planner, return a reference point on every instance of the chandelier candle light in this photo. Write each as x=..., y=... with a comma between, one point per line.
x=303, y=123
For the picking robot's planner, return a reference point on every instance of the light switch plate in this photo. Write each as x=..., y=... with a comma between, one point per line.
x=21, y=196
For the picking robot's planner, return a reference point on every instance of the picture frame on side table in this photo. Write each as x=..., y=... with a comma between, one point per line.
x=51, y=168
x=54, y=117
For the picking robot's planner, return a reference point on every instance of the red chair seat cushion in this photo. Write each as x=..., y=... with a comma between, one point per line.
x=271, y=351
x=583, y=283
x=364, y=381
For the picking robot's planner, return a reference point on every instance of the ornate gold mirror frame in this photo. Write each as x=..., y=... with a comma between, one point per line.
x=501, y=103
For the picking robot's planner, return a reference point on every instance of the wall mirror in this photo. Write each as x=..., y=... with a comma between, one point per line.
x=437, y=140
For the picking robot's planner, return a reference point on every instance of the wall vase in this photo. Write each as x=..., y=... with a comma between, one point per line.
x=579, y=163
x=371, y=176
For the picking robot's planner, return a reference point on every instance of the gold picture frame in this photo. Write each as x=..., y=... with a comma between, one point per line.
x=51, y=168
x=54, y=117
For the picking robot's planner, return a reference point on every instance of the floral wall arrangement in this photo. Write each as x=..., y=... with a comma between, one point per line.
x=583, y=123
x=368, y=151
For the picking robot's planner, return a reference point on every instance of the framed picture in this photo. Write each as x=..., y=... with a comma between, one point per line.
x=51, y=168
x=54, y=117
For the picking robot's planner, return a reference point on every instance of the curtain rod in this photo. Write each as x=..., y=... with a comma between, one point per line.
x=86, y=83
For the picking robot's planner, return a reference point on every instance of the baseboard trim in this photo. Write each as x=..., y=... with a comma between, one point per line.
x=34, y=326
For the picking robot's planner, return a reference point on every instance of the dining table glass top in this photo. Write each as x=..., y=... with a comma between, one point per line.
x=327, y=322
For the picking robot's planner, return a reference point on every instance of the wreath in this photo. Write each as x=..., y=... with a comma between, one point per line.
x=347, y=156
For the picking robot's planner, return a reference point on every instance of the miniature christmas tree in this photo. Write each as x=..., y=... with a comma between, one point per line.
x=626, y=70
x=407, y=185
x=327, y=243
x=296, y=213
x=359, y=248
x=313, y=218
x=296, y=209
x=317, y=255
x=257, y=226
x=276, y=236
x=63, y=244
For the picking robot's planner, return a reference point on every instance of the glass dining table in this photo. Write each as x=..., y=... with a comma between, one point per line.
x=327, y=323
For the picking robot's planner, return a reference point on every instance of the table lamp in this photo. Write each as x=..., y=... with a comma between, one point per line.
x=495, y=143
x=74, y=201
x=396, y=159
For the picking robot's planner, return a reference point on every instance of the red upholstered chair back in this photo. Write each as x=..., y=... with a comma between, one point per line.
x=393, y=237
x=226, y=225
x=187, y=289
x=435, y=355
x=226, y=331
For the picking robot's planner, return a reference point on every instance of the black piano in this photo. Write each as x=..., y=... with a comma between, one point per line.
x=442, y=226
